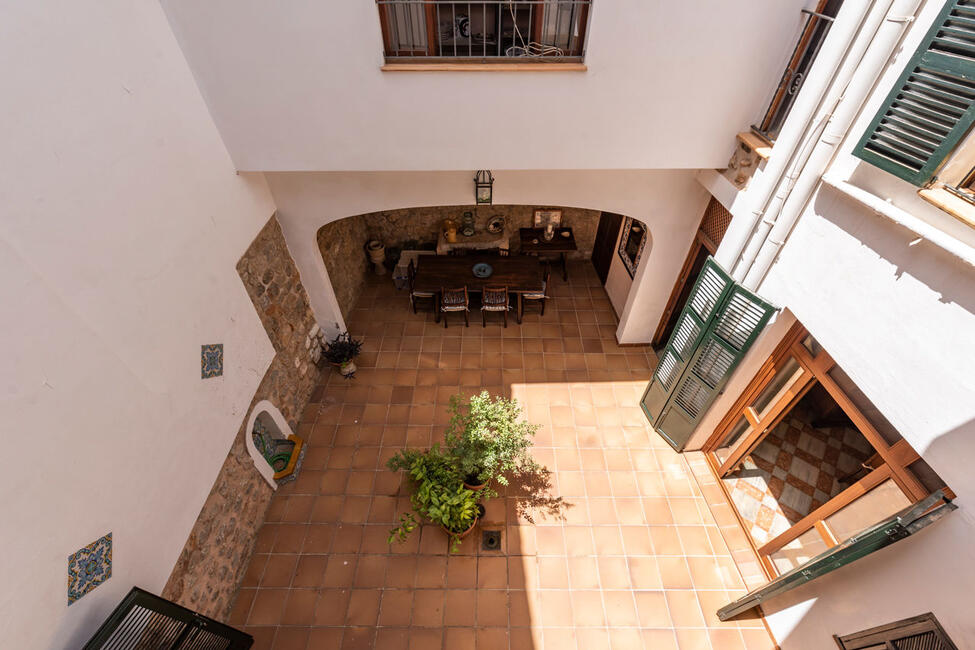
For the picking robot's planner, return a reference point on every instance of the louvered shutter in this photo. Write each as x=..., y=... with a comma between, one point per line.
x=716, y=328
x=708, y=294
x=889, y=531
x=931, y=107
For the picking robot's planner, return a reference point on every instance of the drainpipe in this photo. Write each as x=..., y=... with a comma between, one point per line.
x=830, y=56
x=866, y=71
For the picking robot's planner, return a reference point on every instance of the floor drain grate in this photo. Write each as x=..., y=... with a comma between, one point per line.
x=491, y=540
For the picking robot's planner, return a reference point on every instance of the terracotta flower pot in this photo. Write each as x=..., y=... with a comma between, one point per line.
x=472, y=486
x=463, y=534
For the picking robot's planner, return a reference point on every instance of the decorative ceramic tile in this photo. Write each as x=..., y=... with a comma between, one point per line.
x=89, y=567
x=211, y=360
x=792, y=478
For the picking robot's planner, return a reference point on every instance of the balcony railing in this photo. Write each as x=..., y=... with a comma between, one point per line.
x=502, y=30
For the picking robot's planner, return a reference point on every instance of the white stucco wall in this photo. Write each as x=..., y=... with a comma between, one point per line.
x=898, y=315
x=668, y=85
x=669, y=202
x=121, y=224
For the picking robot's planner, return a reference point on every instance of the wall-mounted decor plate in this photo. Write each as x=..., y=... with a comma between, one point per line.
x=482, y=270
x=496, y=225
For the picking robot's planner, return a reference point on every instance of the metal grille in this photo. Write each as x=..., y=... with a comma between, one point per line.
x=739, y=320
x=711, y=286
x=713, y=363
x=527, y=30
x=715, y=222
x=693, y=396
x=143, y=621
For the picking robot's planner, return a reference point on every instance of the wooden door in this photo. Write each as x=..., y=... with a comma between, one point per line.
x=606, y=235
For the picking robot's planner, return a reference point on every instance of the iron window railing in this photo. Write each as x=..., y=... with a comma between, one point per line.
x=812, y=36
x=486, y=31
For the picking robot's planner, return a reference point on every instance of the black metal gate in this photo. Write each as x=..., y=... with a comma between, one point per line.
x=143, y=621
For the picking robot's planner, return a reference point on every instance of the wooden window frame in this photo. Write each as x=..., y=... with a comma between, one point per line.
x=896, y=458
x=887, y=635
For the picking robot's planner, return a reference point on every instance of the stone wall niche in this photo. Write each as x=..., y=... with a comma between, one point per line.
x=266, y=415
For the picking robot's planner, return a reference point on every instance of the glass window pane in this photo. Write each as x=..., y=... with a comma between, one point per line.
x=879, y=503
x=798, y=551
x=812, y=345
x=738, y=433
x=781, y=382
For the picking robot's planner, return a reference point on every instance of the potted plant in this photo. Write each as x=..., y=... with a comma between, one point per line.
x=438, y=495
x=341, y=351
x=488, y=438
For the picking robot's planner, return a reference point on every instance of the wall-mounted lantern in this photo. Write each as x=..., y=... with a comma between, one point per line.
x=483, y=184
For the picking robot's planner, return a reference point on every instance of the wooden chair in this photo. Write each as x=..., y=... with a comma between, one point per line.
x=495, y=299
x=418, y=295
x=455, y=300
x=542, y=295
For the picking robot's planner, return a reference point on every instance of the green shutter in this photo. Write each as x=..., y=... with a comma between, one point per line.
x=709, y=292
x=719, y=323
x=930, y=108
x=887, y=532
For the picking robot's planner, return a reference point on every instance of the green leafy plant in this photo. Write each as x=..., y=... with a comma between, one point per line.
x=439, y=494
x=489, y=438
x=342, y=349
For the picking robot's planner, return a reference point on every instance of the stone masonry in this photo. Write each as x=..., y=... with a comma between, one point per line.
x=342, y=242
x=211, y=565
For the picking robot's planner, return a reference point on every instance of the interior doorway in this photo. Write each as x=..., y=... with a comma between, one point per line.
x=709, y=234
x=603, y=249
x=807, y=461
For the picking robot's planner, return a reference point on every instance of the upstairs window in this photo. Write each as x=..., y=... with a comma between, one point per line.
x=813, y=34
x=922, y=131
x=498, y=31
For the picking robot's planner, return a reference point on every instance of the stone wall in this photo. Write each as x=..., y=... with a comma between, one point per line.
x=342, y=242
x=209, y=570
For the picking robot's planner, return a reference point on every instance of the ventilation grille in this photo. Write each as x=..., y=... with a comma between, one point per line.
x=709, y=289
x=715, y=222
x=922, y=641
x=740, y=320
x=713, y=363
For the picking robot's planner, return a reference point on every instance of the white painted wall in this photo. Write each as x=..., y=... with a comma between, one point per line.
x=669, y=202
x=121, y=224
x=899, y=319
x=299, y=88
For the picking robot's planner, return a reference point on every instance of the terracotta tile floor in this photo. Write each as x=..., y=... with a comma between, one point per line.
x=629, y=558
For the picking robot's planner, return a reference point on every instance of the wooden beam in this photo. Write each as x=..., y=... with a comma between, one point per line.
x=840, y=501
x=792, y=394
x=826, y=533
x=764, y=374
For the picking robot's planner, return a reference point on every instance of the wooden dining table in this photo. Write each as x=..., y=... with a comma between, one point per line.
x=521, y=274
x=533, y=242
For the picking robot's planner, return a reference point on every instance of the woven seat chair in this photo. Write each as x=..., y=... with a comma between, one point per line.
x=540, y=296
x=452, y=300
x=418, y=295
x=495, y=299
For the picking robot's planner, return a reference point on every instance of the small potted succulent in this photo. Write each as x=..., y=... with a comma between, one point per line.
x=438, y=495
x=341, y=352
x=488, y=439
